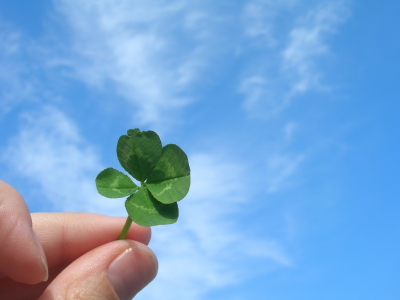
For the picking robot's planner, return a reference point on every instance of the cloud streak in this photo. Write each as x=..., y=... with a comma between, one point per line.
x=50, y=152
x=291, y=57
x=307, y=44
x=16, y=82
x=126, y=44
x=280, y=169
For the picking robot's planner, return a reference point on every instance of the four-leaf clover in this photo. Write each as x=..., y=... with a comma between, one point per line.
x=163, y=173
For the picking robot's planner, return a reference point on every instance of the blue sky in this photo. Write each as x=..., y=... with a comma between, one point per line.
x=288, y=111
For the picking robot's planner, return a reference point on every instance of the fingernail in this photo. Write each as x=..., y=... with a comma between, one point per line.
x=132, y=271
x=42, y=255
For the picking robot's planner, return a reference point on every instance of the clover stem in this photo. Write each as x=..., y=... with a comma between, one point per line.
x=125, y=229
x=128, y=222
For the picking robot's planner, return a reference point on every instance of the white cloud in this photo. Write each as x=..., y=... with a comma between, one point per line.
x=290, y=130
x=307, y=44
x=16, y=84
x=51, y=153
x=150, y=52
x=289, y=59
x=260, y=19
x=262, y=92
x=208, y=248
x=280, y=170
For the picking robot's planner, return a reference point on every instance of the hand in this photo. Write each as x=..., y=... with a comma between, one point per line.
x=69, y=255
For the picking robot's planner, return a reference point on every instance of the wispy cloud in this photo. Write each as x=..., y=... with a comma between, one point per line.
x=263, y=96
x=16, y=82
x=126, y=45
x=50, y=152
x=284, y=161
x=290, y=56
x=307, y=43
x=210, y=238
x=280, y=170
x=261, y=20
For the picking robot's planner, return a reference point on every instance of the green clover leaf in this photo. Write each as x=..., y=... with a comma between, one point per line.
x=111, y=183
x=147, y=211
x=138, y=152
x=170, y=180
x=163, y=173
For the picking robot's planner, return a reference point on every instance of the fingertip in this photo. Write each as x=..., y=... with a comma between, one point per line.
x=42, y=256
x=132, y=270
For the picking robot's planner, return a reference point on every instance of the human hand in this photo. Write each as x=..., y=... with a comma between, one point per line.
x=79, y=250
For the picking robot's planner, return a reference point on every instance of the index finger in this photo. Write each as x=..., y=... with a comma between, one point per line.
x=67, y=236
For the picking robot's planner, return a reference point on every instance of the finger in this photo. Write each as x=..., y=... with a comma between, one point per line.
x=115, y=271
x=20, y=249
x=67, y=236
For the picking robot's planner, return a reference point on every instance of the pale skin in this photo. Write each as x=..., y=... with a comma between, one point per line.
x=78, y=252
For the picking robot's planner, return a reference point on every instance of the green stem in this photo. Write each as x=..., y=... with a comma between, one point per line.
x=125, y=229
x=128, y=222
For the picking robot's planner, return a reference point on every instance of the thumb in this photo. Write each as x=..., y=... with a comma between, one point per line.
x=114, y=271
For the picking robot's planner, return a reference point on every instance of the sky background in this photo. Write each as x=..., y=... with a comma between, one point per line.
x=288, y=111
